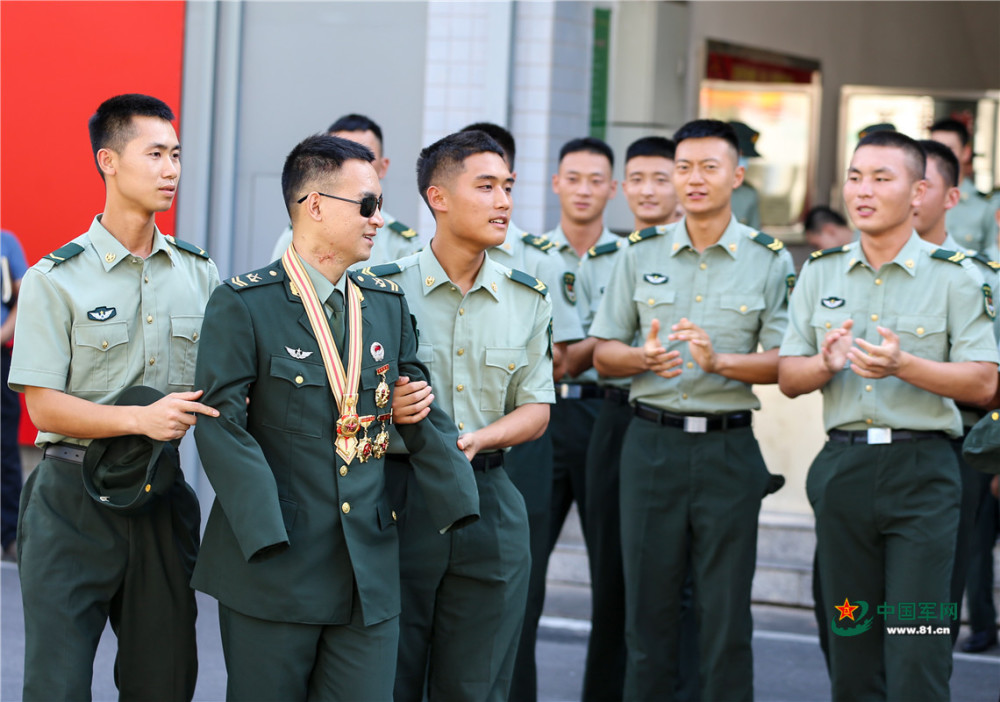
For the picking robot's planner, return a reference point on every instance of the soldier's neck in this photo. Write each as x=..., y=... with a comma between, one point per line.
x=704, y=230
x=936, y=234
x=133, y=228
x=460, y=259
x=882, y=247
x=582, y=235
x=328, y=263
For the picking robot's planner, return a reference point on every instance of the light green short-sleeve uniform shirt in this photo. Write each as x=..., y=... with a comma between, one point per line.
x=736, y=290
x=571, y=272
x=972, y=222
x=937, y=307
x=488, y=350
x=394, y=240
x=591, y=282
x=103, y=320
x=535, y=256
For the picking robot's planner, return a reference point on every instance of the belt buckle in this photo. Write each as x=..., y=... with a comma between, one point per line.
x=696, y=425
x=569, y=391
x=879, y=435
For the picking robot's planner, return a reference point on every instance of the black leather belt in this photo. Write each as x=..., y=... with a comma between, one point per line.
x=484, y=461
x=616, y=395
x=882, y=436
x=578, y=391
x=65, y=452
x=694, y=424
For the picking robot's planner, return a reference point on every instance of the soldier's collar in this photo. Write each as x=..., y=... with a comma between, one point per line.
x=435, y=276
x=730, y=241
x=111, y=252
x=907, y=259
x=322, y=285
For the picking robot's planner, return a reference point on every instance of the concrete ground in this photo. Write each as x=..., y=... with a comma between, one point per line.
x=787, y=660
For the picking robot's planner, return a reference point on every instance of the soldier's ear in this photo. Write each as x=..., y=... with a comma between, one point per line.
x=437, y=198
x=107, y=161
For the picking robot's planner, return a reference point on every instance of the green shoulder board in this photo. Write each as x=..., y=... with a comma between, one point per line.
x=607, y=248
x=382, y=270
x=946, y=255
x=542, y=243
x=403, y=230
x=827, y=252
x=371, y=281
x=185, y=246
x=770, y=242
x=985, y=260
x=643, y=234
x=272, y=273
x=64, y=253
x=528, y=280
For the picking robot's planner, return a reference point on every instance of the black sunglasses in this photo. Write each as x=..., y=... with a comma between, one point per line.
x=369, y=203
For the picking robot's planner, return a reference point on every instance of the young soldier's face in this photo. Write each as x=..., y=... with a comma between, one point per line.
x=649, y=189
x=880, y=191
x=938, y=199
x=478, y=200
x=148, y=168
x=584, y=186
x=706, y=171
x=346, y=236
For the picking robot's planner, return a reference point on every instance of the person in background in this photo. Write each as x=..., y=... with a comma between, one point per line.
x=746, y=200
x=825, y=228
x=12, y=269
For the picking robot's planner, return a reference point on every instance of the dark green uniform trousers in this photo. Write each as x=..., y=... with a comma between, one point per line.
x=975, y=485
x=294, y=662
x=570, y=425
x=463, y=593
x=604, y=674
x=689, y=498
x=979, y=583
x=529, y=466
x=81, y=564
x=886, y=524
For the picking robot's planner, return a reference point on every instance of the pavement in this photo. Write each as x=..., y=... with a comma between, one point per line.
x=788, y=665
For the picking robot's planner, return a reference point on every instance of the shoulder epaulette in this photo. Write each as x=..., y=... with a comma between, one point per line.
x=185, y=246
x=542, y=243
x=272, y=273
x=64, y=253
x=374, y=282
x=946, y=255
x=528, y=280
x=403, y=230
x=382, y=270
x=770, y=242
x=643, y=234
x=827, y=252
x=985, y=260
x=607, y=248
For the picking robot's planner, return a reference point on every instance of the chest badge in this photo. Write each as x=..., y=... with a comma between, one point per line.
x=377, y=351
x=569, y=287
x=991, y=309
x=655, y=278
x=298, y=353
x=832, y=303
x=102, y=313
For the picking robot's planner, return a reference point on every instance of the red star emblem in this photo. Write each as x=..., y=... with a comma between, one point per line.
x=846, y=610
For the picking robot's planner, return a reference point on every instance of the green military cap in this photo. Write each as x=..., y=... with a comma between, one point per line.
x=982, y=446
x=880, y=127
x=747, y=137
x=125, y=473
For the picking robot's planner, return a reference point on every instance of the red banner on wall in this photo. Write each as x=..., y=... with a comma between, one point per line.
x=58, y=62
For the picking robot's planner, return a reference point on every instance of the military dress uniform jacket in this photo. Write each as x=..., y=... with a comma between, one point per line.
x=292, y=526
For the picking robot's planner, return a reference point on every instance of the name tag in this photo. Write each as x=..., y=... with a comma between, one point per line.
x=881, y=435
x=696, y=425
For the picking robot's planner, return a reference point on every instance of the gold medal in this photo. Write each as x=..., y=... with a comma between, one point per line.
x=349, y=422
x=382, y=391
x=365, y=446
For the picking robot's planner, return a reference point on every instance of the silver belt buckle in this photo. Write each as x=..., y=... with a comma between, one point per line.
x=569, y=391
x=879, y=435
x=696, y=425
